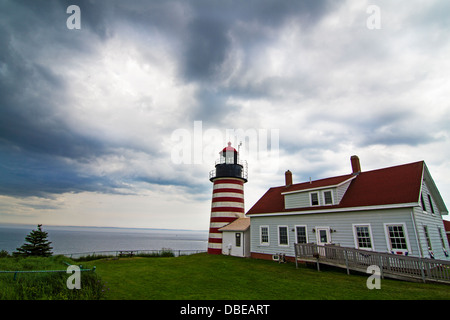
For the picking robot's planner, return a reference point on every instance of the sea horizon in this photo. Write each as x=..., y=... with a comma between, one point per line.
x=44, y=226
x=79, y=239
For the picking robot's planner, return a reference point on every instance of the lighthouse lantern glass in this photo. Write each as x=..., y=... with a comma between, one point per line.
x=229, y=157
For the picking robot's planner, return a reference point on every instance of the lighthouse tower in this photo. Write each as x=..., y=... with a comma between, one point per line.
x=227, y=205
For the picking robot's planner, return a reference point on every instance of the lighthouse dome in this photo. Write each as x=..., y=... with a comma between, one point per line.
x=229, y=148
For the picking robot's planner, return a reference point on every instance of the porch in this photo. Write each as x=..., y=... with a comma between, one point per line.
x=391, y=265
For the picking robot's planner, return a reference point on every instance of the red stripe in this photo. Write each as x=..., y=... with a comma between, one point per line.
x=227, y=199
x=239, y=182
x=214, y=251
x=228, y=190
x=223, y=219
x=215, y=230
x=215, y=240
x=227, y=209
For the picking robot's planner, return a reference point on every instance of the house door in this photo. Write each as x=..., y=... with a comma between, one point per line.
x=323, y=238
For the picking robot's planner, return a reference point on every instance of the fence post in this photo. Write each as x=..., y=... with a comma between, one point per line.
x=346, y=261
x=316, y=252
x=381, y=266
x=296, y=255
x=422, y=271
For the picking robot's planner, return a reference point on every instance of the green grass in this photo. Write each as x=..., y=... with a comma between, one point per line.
x=215, y=277
x=200, y=277
x=45, y=286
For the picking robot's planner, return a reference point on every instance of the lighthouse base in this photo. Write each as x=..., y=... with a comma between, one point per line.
x=214, y=251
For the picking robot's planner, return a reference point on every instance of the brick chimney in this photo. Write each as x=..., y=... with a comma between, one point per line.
x=356, y=166
x=288, y=177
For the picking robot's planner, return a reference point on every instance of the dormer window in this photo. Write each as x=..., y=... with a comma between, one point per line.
x=328, y=197
x=314, y=198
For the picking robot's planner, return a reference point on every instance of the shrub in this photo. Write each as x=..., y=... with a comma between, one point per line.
x=4, y=254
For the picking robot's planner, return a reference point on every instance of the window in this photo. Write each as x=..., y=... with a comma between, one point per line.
x=314, y=199
x=264, y=232
x=396, y=236
x=301, y=234
x=229, y=158
x=283, y=236
x=442, y=238
x=238, y=239
x=423, y=203
x=427, y=236
x=363, y=238
x=431, y=204
x=328, y=197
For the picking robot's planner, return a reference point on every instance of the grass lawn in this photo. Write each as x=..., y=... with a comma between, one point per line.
x=45, y=285
x=216, y=277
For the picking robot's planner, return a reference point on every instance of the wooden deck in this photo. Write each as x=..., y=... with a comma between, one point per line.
x=391, y=265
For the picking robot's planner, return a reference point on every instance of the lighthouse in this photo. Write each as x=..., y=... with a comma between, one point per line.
x=227, y=205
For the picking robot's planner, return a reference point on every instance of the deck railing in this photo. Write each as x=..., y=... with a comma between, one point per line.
x=391, y=265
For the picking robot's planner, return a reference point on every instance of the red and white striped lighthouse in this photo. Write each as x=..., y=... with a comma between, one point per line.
x=227, y=204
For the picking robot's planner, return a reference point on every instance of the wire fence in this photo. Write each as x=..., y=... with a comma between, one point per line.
x=105, y=254
x=17, y=272
x=129, y=253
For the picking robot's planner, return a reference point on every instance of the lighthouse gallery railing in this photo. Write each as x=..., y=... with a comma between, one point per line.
x=244, y=174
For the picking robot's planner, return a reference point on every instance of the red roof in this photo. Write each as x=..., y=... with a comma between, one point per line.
x=393, y=185
x=229, y=148
x=446, y=225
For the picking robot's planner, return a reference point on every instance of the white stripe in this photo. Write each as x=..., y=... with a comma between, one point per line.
x=215, y=235
x=218, y=224
x=227, y=204
x=228, y=186
x=215, y=245
x=226, y=214
x=228, y=194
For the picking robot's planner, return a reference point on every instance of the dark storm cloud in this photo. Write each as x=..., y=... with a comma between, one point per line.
x=41, y=153
x=34, y=137
x=208, y=40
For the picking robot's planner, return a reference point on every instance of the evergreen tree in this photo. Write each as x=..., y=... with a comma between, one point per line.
x=36, y=244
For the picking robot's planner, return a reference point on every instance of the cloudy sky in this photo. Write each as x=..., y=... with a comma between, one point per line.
x=118, y=123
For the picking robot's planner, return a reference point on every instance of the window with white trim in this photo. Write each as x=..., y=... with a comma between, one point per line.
x=314, y=197
x=363, y=237
x=301, y=234
x=328, y=197
x=422, y=203
x=283, y=239
x=431, y=203
x=397, y=237
x=427, y=236
x=264, y=235
x=442, y=238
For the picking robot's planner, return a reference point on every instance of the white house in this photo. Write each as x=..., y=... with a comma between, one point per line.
x=236, y=238
x=396, y=209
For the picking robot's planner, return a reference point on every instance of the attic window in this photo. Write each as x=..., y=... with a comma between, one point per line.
x=422, y=203
x=314, y=198
x=328, y=197
x=431, y=204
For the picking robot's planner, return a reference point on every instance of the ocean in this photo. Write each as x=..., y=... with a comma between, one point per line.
x=70, y=240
